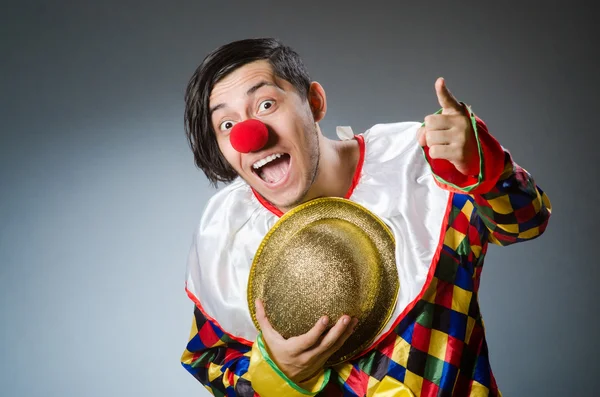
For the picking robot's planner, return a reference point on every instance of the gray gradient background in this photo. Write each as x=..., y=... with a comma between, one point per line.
x=100, y=197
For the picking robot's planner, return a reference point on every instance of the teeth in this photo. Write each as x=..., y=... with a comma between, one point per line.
x=266, y=160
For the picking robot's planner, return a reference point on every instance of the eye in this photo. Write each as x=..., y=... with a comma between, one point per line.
x=265, y=105
x=226, y=125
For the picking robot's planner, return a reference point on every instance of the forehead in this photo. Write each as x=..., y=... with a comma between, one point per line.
x=241, y=78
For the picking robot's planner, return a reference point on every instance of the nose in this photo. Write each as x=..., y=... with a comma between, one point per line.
x=249, y=136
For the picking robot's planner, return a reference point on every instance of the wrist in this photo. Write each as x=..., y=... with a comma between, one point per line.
x=269, y=380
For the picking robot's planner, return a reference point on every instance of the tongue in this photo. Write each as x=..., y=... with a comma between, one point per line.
x=275, y=170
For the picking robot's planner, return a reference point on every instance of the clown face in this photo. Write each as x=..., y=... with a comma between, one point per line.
x=284, y=169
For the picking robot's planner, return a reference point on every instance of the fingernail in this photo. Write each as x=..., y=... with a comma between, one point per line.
x=324, y=320
x=346, y=321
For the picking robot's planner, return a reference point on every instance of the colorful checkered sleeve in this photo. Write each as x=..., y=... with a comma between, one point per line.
x=515, y=209
x=510, y=205
x=218, y=362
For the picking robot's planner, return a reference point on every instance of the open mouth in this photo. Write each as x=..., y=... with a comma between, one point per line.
x=272, y=168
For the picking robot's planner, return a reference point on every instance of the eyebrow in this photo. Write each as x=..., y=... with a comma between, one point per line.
x=250, y=91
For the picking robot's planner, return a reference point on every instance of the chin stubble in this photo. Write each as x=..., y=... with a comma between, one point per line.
x=310, y=179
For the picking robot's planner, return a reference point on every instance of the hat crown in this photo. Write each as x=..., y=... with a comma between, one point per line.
x=329, y=256
x=334, y=264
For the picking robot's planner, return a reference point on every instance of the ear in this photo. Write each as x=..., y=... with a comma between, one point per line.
x=317, y=101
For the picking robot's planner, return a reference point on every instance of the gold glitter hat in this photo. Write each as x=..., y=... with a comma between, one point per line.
x=329, y=256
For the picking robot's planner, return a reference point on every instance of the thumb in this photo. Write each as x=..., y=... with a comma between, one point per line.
x=445, y=97
x=265, y=326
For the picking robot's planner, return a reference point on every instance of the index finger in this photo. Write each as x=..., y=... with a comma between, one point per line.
x=335, y=333
x=309, y=339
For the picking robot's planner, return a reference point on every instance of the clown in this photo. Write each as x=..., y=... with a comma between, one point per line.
x=444, y=187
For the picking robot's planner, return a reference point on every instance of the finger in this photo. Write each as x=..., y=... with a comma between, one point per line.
x=446, y=152
x=309, y=339
x=445, y=97
x=342, y=339
x=265, y=326
x=421, y=136
x=438, y=137
x=334, y=334
x=438, y=122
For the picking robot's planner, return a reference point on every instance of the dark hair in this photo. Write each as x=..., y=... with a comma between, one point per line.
x=286, y=64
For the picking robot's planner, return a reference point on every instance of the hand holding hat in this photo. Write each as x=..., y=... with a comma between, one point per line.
x=301, y=357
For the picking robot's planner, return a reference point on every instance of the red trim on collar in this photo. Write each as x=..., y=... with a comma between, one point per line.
x=266, y=204
x=361, y=159
x=355, y=179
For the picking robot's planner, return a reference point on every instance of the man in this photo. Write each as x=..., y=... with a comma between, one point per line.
x=445, y=187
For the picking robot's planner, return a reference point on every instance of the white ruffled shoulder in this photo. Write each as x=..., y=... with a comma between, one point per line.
x=230, y=231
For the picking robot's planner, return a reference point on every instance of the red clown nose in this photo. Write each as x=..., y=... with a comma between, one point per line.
x=249, y=136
